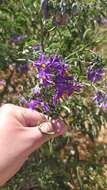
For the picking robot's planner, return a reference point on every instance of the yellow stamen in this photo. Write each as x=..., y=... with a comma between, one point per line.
x=43, y=65
x=67, y=74
x=65, y=95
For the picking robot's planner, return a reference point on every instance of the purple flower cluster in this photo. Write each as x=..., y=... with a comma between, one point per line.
x=101, y=99
x=53, y=73
x=65, y=87
x=95, y=74
x=49, y=69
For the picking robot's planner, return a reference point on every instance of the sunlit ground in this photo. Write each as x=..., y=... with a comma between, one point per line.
x=102, y=40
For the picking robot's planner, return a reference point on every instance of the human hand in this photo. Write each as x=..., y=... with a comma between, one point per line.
x=20, y=135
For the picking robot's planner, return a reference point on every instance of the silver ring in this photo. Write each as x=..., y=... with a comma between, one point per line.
x=42, y=130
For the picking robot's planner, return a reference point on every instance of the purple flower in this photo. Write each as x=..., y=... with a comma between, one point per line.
x=45, y=78
x=44, y=8
x=38, y=104
x=52, y=64
x=101, y=99
x=66, y=86
x=104, y=106
x=55, y=99
x=23, y=100
x=36, y=47
x=78, y=86
x=41, y=63
x=37, y=90
x=34, y=104
x=57, y=64
x=46, y=107
x=95, y=74
x=44, y=74
x=2, y=82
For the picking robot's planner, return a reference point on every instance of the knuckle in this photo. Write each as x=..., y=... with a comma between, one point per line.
x=7, y=107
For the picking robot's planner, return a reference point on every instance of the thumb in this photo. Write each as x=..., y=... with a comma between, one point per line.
x=40, y=134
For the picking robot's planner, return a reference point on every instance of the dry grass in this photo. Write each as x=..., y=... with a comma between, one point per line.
x=102, y=40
